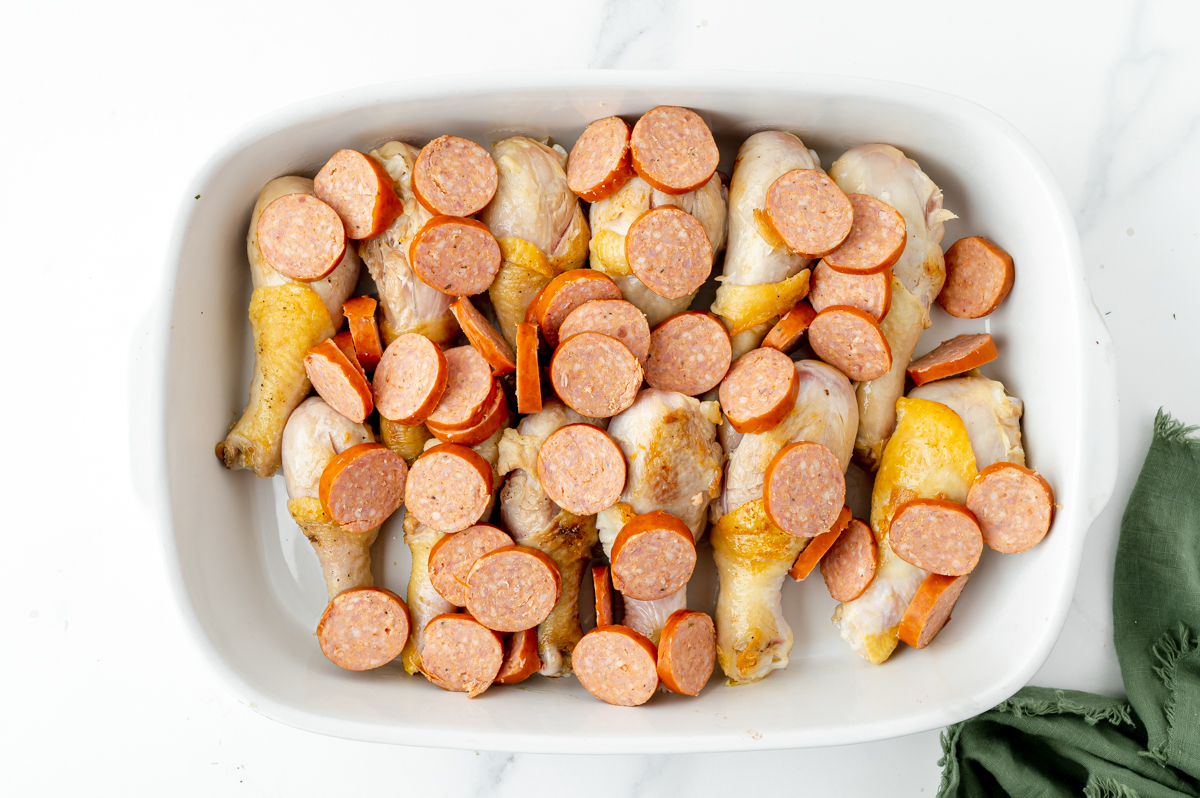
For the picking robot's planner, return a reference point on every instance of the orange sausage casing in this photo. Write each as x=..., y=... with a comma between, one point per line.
x=979, y=276
x=930, y=609
x=469, y=390
x=495, y=416
x=600, y=161
x=566, y=292
x=961, y=353
x=785, y=335
x=483, y=336
x=604, y=595
x=364, y=331
x=360, y=190
x=759, y=390
x=529, y=375
x=521, y=658
x=812, y=554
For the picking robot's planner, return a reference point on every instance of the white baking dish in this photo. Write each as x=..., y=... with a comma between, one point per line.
x=249, y=584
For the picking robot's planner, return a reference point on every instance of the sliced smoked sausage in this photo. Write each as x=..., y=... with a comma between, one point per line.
x=673, y=150
x=410, y=379
x=513, y=588
x=848, y=568
x=604, y=595
x=689, y=353
x=600, y=161
x=979, y=276
x=451, y=558
x=595, y=375
x=566, y=292
x=876, y=241
x=668, y=250
x=529, y=374
x=759, y=390
x=364, y=331
x=456, y=256
x=930, y=609
x=816, y=548
x=360, y=191
x=936, y=535
x=804, y=489
x=687, y=652
x=791, y=327
x=871, y=293
x=615, y=318
x=361, y=487
x=469, y=390
x=460, y=654
x=454, y=177
x=448, y=488
x=1014, y=506
x=521, y=658
x=363, y=628
x=301, y=237
x=617, y=665
x=484, y=338
x=851, y=341
x=961, y=353
x=581, y=469
x=496, y=415
x=338, y=381
x=810, y=214
x=653, y=556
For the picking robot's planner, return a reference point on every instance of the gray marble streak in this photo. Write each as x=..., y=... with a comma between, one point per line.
x=636, y=34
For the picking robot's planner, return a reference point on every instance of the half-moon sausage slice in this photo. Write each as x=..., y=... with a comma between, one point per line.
x=410, y=379
x=936, y=535
x=360, y=190
x=687, y=652
x=673, y=150
x=301, y=237
x=363, y=486
x=513, y=588
x=600, y=161
x=811, y=215
x=930, y=609
x=851, y=341
x=668, y=250
x=469, y=388
x=521, y=658
x=345, y=342
x=604, y=595
x=848, y=568
x=816, y=548
x=496, y=414
x=804, y=489
x=363, y=628
x=979, y=276
x=1014, y=506
x=483, y=337
x=581, y=469
x=364, y=331
x=871, y=293
x=759, y=391
x=961, y=353
x=689, y=353
x=791, y=327
x=529, y=375
x=449, y=486
x=338, y=381
x=876, y=241
x=615, y=318
x=566, y=292
x=595, y=375
x=460, y=654
x=454, y=177
x=653, y=556
x=451, y=558
x=456, y=256
x=617, y=665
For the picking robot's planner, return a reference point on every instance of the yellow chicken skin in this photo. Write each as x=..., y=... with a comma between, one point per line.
x=929, y=456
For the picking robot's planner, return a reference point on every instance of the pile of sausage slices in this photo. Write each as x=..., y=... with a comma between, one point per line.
x=495, y=386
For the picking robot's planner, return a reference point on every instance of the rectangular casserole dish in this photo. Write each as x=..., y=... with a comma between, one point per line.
x=249, y=585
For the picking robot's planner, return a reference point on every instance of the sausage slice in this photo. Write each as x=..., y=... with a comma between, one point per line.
x=810, y=214
x=791, y=327
x=759, y=390
x=363, y=628
x=513, y=588
x=451, y=558
x=615, y=318
x=496, y=415
x=604, y=595
x=687, y=652
x=454, y=177
x=673, y=150
x=653, y=556
x=600, y=161
x=930, y=609
x=469, y=389
x=360, y=190
x=301, y=237
x=595, y=375
x=581, y=469
x=817, y=547
x=689, y=353
x=566, y=292
x=410, y=379
x=484, y=338
x=617, y=665
x=345, y=342
x=449, y=487
x=529, y=375
x=871, y=293
x=460, y=654
x=936, y=535
x=456, y=256
x=1014, y=506
x=521, y=658
x=876, y=241
x=338, y=381
x=668, y=250
x=851, y=341
x=804, y=489
x=848, y=568
x=961, y=353
x=979, y=276
x=364, y=331
x=363, y=486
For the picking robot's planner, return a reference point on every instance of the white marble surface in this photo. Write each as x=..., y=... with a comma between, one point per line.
x=110, y=109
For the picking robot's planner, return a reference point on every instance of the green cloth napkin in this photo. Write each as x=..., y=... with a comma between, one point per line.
x=1046, y=742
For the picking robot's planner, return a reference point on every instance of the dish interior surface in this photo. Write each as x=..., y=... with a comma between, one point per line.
x=249, y=582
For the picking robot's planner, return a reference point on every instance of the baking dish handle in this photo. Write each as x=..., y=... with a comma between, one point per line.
x=1101, y=404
